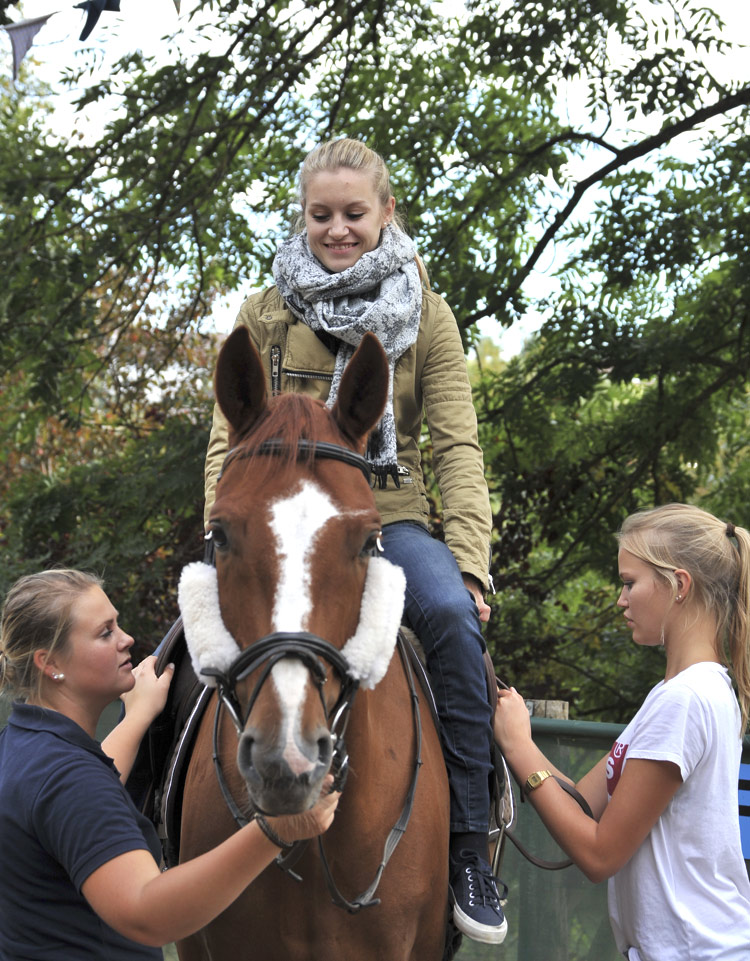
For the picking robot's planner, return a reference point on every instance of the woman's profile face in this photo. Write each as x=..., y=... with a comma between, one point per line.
x=646, y=602
x=343, y=216
x=97, y=667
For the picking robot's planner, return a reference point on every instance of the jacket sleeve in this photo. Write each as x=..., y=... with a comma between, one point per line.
x=457, y=456
x=218, y=446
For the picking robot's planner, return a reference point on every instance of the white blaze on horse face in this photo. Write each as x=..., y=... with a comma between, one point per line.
x=297, y=521
x=290, y=678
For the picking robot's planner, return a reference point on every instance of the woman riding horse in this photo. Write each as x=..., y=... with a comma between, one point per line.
x=352, y=269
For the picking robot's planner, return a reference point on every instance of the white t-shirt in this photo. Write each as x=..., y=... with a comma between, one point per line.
x=684, y=895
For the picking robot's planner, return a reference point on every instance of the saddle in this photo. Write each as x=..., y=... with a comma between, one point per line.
x=158, y=774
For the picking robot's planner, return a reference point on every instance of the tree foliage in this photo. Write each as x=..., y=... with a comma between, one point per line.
x=512, y=131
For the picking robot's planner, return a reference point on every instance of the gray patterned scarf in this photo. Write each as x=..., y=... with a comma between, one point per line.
x=381, y=293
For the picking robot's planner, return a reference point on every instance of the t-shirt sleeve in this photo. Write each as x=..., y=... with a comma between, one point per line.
x=84, y=818
x=672, y=728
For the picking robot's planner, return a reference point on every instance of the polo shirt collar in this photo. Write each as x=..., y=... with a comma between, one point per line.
x=31, y=717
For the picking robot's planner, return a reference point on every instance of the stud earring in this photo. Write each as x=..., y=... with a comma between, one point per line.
x=679, y=597
x=58, y=677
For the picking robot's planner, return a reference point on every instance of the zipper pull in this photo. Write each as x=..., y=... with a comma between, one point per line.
x=275, y=370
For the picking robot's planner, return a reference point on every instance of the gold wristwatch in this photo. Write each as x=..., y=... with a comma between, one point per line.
x=534, y=780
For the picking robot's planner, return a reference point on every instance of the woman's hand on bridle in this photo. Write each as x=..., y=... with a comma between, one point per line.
x=309, y=824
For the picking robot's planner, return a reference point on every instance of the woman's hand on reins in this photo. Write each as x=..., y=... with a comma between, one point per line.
x=512, y=724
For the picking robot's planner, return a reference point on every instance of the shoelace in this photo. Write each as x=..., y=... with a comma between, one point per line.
x=486, y=891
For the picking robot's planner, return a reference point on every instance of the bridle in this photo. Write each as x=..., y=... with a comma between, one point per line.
x=310, y=649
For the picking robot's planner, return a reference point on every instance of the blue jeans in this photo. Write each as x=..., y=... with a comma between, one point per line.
x=442, y=612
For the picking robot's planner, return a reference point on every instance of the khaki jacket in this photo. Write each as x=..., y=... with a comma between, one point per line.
x=430, y=376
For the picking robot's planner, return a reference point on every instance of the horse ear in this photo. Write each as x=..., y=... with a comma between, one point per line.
x=239, y=383
x=363, y=390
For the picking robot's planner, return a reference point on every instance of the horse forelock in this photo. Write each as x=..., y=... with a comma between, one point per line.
x=288, y=418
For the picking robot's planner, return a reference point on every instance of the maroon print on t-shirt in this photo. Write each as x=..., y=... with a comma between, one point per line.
x=615, y=762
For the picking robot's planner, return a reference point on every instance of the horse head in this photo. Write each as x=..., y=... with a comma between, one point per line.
x=297, y=612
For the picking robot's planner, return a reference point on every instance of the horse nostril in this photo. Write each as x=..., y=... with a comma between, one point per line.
x=325, y=749
x=245, y=753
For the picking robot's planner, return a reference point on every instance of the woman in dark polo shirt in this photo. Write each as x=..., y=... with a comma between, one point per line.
x=79, y=866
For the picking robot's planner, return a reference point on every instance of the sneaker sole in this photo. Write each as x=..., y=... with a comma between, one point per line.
x=479, y=932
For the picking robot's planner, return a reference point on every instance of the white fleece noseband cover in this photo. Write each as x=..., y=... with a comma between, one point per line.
x=368, y=652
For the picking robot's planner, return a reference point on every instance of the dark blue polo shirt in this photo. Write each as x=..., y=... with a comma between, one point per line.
x=63, y=814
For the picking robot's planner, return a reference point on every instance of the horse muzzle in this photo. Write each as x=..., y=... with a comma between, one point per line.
x=284, y=776
x=288, y=741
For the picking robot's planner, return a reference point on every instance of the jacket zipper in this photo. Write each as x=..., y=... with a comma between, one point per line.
x=305, y=376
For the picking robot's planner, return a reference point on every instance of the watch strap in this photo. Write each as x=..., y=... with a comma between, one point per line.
x=538, y=777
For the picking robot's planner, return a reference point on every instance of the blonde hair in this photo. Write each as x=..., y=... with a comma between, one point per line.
x=717, y=557
x=352, y=155
x=37, y=615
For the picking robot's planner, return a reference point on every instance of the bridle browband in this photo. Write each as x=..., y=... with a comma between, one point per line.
x=309, y=648
x=314, y=449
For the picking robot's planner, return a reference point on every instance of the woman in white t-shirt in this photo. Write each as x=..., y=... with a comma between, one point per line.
x=665, y=827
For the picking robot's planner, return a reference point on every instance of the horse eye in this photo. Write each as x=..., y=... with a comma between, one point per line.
x=219, y=537
x=373, y=544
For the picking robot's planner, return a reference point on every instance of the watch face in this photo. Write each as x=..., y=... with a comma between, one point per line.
x=535, y=779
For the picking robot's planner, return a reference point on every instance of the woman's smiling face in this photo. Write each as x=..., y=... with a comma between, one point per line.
x=343, y=216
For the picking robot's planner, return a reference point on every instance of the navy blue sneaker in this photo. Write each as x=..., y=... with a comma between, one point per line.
x=477, y=912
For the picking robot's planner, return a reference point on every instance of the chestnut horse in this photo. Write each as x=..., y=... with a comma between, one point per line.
x=308, y=616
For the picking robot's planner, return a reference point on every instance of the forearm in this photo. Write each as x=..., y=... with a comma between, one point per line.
x=457, y=456
x=123, y=742
x=526, y=758
x=576, y=833
x=184, y=899
x=153, y=907
x=218, y=445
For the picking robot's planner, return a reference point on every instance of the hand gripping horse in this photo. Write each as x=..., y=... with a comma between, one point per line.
x=298, y=616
